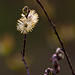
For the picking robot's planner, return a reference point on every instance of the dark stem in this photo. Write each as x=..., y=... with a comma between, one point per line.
x=24, y=45
x=61, y=43
x=54, y=71
x=23, y=52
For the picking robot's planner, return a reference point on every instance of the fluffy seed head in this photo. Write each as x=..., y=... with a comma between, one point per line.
x=26, y=24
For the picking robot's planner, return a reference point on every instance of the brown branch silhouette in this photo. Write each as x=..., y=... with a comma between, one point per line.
x=60, y=41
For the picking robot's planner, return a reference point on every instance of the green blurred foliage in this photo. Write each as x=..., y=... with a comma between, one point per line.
x=42, y=42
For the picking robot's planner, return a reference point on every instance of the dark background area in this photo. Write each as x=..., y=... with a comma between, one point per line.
x=41, y=42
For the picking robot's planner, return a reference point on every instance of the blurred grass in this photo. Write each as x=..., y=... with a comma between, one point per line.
x=42, y=42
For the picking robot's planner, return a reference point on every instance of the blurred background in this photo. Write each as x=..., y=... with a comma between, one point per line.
x=42, y=42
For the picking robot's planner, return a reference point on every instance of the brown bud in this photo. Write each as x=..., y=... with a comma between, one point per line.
x=53, y=57
x=49, y=71
x=55, y=63
x=60, y=54
x=58, y=69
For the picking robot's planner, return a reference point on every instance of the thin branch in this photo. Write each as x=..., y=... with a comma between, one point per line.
x=54, y=71
x=24, y=45
x=23, y=52
x=61, y=43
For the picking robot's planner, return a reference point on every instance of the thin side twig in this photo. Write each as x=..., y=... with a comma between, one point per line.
x=61, y=43
x=23, y=52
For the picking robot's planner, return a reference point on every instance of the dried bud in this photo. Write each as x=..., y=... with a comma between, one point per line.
x=58, y=50
x=60, y=54
x=49, y=71
x=53, y=57
x=58, y=69
x=55, y=63
x=45, y=74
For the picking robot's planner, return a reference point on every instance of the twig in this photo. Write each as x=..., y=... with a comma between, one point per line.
x=23, y=52
x=61, y=43
x=24, y=45
x=54, y=71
